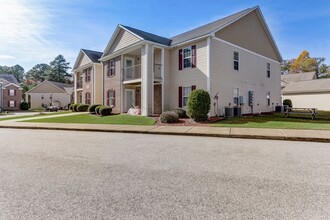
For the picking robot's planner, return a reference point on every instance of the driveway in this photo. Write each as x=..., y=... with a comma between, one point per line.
x=83, y=175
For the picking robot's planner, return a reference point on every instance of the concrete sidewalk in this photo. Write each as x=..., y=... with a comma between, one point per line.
x=250, y=133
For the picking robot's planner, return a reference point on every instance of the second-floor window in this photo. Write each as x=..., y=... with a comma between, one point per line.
x=187, y=57
x=268, y=70
x=112, y=67
x=88, y=73
x=236, y=60
x=11, y=92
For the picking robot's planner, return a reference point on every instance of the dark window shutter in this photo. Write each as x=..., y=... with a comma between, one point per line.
x=8, y=103
x=193, y=87
x=14, y=103
x=114, y=98
x=193, y=56
x=8, y=92
x=114, y=67
x=180, y=97
x=108, y=98
x=180, y=59
x=15, y=92
x=108, y=70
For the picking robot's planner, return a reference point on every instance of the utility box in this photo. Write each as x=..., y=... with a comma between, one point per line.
x=251, y=98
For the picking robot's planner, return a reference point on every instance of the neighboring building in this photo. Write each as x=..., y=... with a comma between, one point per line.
x=296, y=77
x=309, y=94
x=228, y=57
x=11, y=94
x=50, y=93
x=88, y=77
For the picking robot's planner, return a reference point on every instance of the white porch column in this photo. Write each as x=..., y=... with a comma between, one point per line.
x=146, y=80
x=152, y=80
x=94, y=83
x=75, y=88
x=208, y=86
x=163, y=78
x=122, y=89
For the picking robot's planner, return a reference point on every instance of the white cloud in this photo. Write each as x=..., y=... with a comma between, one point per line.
x=6, y=57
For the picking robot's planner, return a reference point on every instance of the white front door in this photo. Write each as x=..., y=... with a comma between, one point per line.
x=130, y=98
x=129, y=67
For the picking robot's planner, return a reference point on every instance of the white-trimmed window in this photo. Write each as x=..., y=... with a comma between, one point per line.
x=268, y=70
x=268, y=98
x=186, y=57
x=236, y=60
x=185, y=94
x=112, y=67
x=11, y=92
x=112, y=97
x=11, y=104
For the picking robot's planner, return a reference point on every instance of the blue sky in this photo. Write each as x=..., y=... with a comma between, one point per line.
x=36, y=31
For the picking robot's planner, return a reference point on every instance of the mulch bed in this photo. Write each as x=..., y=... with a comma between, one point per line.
x=188, y=122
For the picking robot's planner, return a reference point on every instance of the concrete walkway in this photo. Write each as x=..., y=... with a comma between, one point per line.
x=250, y=133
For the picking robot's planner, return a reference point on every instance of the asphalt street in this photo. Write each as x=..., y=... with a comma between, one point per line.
x=94, y=175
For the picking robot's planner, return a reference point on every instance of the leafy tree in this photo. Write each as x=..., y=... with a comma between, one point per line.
x=303, y=63
x=38, y=74
x=58, y=70
x=16, y=70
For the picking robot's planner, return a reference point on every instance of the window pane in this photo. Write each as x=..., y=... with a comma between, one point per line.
x=11, y=92
x=186, y=52
x=236, y=56
x=185, y=101
x=187, y=62
x=235, y=65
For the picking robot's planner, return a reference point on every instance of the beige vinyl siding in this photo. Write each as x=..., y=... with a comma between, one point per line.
x=252, y=76
x=189, y=76
x=115, y=84
x=36, y=101
x=98, y=84
x=84, y=60
x=312, y=100
x=248, y=32
x=123, y=39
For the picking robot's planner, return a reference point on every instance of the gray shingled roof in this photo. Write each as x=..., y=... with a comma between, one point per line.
x=93, y=55
x=61, y=85
x=207, y=29
x=192, y=34
x=297, y=77
x=149, y=36
x=311, y=86
x=10, y=78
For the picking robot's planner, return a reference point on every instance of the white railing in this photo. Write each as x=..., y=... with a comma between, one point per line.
x=132, y=72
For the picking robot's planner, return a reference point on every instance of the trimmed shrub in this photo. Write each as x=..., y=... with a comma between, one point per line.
x=91, y=108
x=105, y=111
x=181, y=113
x=24, y=106
x=71, y=106
x=169, y=117
x=287, y=102
x=74, y=108
x=82, y=108
x=97, y=109
x=199, y=104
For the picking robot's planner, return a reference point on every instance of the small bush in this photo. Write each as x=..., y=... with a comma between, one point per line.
x=181, y=113
x=71, y=107
x=105, y=111
x=74, y=108
x=82, y=108
x=24, y=106
x=287, y=102
x=91, y=108
x=97, y=109
x=199, y=104
x=169, y=117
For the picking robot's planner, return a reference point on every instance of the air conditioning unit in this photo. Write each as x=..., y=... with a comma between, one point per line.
x=229, y=112
x=237, y=111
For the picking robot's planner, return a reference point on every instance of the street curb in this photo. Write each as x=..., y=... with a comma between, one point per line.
x=261, y=137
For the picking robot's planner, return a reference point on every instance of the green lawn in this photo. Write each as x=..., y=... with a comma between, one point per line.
x=4, y=118
x=322, y=122
x=94, y=119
